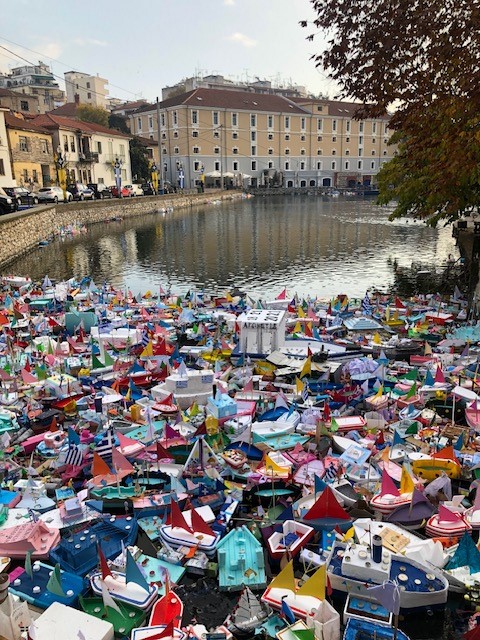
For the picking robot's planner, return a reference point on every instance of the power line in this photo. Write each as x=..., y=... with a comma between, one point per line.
x=18, y=56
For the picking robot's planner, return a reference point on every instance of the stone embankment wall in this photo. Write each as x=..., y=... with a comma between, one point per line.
x=22, y=231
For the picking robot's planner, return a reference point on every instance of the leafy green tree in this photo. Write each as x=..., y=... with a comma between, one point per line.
x=118, y=122
x=89, y=113
x=421, y=57
x=139, y=160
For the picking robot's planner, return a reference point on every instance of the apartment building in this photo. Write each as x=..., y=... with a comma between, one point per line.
x=86, y=89
x=35, y=80
x=31, y=151
x=244, y=137
x=6, y=177
x=89, y=149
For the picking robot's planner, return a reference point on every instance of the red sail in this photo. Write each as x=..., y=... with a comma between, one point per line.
x=199, y=524
x=103, y=564
x=326, y=506
x=177, y=519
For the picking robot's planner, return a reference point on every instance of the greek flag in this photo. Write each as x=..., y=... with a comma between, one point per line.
x=305, y=392
x=74, y=456
x=104, y=447
x=32, y=515
x=330, y=473
x=145, y=339
x=366, y=306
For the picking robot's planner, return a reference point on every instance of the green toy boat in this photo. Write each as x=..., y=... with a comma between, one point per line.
x=123, y=620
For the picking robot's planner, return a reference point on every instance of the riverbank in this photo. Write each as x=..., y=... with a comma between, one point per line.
x=24, y=230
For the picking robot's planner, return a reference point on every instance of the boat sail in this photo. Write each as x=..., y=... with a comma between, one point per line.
x=249, y=613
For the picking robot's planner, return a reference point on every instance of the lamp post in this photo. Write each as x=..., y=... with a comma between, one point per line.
x=117, y=170
x=62, y=174
x=181, y=177
x=154, y=171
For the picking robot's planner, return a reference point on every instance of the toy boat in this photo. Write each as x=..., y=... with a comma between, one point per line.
x=249, y=614
x=301, y=601
x=447, y=524
x=129, y=588
x=41, y=584
x=360, y=629
x=353, y=568
x=167, y=609
x=191, y=529
x=292, y=537
x=122, y=616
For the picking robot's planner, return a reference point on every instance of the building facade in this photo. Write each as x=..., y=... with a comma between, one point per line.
x=35, y=80
x=89, y=89
x=90, y=150
x=31, y=152
x=19, y=102
x=248, y=138
x=6, y=177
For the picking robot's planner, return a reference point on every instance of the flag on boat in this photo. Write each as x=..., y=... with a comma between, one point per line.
x=305, y=391
x=366, y=305
x=74, y=455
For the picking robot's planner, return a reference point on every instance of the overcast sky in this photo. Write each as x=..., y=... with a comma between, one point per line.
x=140, y=47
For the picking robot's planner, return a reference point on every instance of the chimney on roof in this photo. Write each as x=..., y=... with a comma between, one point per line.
x=77, y=98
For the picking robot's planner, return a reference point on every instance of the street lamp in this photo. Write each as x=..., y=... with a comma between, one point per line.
x=62, y=174
x=117, y=170
x=154, y=171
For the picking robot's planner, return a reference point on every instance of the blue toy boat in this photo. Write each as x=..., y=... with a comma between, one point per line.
x=41, y=585
x=361, y=629
x=77, y=552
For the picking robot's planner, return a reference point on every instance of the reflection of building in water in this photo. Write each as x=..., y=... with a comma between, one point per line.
x=311, y=245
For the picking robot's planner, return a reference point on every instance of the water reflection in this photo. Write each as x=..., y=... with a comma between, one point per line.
x=311, y=245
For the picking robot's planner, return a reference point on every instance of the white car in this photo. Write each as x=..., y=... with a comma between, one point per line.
x=52, y=194
x=135, y=190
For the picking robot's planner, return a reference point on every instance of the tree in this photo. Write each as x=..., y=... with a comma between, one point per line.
x=139, y=160
x=89, y=113
x=118, y=122
x=423, y=58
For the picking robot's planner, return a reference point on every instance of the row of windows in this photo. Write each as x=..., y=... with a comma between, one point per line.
x=271, y=151
x=375, y=126
x=198, y=166
x=253, y=137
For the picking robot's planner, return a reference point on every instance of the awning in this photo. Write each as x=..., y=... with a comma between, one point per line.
x=213, y=174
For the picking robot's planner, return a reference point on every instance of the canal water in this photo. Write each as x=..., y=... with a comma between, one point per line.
x=311, y=245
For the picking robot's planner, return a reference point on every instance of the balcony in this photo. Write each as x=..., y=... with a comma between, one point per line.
x=88, y=156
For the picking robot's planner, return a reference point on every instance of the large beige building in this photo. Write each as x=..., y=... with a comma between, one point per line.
x=246, y=137
x=86, y=89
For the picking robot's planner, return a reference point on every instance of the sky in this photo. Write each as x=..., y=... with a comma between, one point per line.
x=140, y=47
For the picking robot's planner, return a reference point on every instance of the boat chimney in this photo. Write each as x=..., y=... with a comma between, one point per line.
x=377, y=548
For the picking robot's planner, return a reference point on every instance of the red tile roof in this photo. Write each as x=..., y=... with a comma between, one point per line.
x=232, y=100
x=69, y=110
x=51, y=121
x=13, y=122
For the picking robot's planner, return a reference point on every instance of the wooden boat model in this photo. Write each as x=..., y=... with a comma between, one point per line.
x=130, y=588
x=303, y=600
x=291, y=539
x=353, y=568
x=361, y=629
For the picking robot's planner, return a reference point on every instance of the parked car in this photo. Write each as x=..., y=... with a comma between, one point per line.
x=7, y=204
x=21, y=195
x=126, y=193
x=100, y=190
x=53, y=194
x=80, y=192
x=168, y=187
x=135, y=190
x=148, y=189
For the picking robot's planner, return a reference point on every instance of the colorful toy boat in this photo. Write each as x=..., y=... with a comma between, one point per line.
x=290, y=540
x=129, y=588
x=352, y=568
